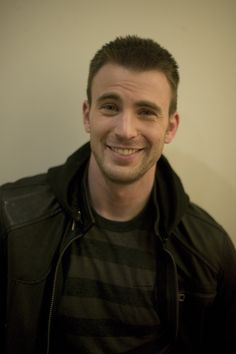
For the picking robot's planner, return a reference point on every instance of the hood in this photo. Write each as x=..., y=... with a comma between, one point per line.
x=169, y=194
x=66, y=181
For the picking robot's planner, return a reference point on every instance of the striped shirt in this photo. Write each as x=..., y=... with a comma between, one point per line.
x=107, y=303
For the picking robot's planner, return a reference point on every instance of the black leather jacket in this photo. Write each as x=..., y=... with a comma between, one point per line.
x=42, y=215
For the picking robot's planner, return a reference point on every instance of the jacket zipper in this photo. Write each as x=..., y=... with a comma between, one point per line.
x=54, y=288
x=177, y=297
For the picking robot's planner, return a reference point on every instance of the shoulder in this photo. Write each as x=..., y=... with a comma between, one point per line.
x=202, y=223
x=26, y=200
x=201, y=217
x=203, y=236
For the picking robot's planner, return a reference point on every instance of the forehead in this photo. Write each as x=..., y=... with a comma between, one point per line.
x=150, y=84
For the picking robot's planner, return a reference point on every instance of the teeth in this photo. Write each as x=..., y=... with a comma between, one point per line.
x=124, y=151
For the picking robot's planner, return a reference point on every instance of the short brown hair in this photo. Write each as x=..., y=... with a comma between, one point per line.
x=138, y=54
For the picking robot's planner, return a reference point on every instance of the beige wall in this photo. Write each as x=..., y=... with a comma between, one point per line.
x=44, y=55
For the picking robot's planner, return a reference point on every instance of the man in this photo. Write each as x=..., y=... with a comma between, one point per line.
x=107, y=254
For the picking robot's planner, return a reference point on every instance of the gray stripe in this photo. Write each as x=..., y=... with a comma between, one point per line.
x=116, y=294
x=115, y=254
x=109, y=272
x=91, y=308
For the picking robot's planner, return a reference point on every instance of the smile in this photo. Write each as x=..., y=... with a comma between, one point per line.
x=123, y=151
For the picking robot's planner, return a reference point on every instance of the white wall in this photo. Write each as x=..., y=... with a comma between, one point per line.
x=45, y=50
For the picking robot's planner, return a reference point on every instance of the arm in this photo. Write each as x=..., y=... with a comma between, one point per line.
x=3, y=279
x=221, y=331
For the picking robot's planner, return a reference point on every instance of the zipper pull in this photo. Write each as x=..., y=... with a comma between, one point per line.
x=181, y=297
x=76, y=219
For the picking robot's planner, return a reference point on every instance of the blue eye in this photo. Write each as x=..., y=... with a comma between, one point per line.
x=109, y=108
x=147, y=113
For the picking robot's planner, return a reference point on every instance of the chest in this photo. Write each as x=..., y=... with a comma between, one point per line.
x=108, y=292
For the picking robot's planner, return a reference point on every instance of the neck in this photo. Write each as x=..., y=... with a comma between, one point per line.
x=119, y=202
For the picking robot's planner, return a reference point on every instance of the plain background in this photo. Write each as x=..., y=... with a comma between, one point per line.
x=46, y=46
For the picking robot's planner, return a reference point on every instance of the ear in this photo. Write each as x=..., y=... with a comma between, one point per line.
x=172, y=127
x=86, y=118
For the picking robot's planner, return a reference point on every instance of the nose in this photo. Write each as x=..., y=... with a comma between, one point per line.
x=126, y=126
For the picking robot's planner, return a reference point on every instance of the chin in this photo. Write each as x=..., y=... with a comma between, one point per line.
x=123, y=178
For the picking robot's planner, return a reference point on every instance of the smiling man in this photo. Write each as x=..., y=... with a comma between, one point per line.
x=106, y=254
x=129, y=122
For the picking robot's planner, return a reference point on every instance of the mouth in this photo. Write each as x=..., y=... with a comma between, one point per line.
x=123, y=150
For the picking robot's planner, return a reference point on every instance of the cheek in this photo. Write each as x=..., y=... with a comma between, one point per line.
x=98, y=131
x=100, y=126
x=156, y=134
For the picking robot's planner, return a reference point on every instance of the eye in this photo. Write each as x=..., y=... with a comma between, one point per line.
x=147, y=113
x=109, y=108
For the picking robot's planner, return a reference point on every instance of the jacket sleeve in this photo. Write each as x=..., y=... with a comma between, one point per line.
x=3, y=278
x=222, y=326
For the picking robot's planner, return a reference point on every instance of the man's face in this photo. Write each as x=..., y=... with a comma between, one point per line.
x=128, y=122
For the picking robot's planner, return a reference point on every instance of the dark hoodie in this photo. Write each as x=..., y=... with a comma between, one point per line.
x=41, y=216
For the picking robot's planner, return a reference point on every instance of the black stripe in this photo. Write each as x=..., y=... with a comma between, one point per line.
x=121, y=255
x=89, y=307
x=104, y=328
x=116, y=274
x=143, y=221
x=82, y=287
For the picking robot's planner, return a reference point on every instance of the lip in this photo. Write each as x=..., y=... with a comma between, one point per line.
x=123, y=155
x=124, y=150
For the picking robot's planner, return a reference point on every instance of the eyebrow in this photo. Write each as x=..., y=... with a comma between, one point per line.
x=109, y=96
x=142, y=103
